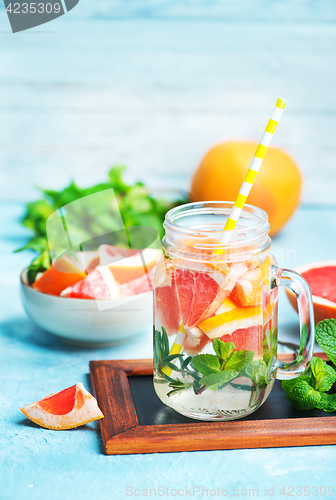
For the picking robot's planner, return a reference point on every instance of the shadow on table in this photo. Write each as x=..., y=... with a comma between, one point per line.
x=100, y=447
x=25, y=331
x=92, y=427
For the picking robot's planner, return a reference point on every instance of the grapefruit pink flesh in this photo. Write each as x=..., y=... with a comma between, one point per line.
x=246, y=339
x=185, y=292
x=196, y=293
x=205, y=292
x=322, y=282
x=60, y=403
x=100, y=284
x=138, y=285
x=91, y=287
x=168, y=308
x=321, y=278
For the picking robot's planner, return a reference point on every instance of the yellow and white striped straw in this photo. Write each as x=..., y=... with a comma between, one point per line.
x=176, y=347
x=240, y=202
x=255, y=166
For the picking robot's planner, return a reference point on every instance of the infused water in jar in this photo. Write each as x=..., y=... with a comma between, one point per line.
x=216, y=313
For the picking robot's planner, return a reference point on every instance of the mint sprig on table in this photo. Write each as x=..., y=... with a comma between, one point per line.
x=310, y=390
x=326, y=338
x=137, y=208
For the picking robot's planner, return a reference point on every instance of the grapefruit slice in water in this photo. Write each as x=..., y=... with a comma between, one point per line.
x=195, y=340
x=167, y=308
x=196, y=292
x=206, y=290
x=66, y=409
x=185, y=285
x=247, y=339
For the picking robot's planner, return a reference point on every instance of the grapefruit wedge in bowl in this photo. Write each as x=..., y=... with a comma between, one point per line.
x=321, y=278
x=106, y=303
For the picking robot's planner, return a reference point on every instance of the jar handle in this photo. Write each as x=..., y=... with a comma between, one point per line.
x=299, y=286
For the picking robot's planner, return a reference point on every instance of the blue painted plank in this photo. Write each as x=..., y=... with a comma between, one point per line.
x=157, y=93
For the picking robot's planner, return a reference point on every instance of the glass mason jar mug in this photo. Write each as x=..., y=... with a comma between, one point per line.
x=216, y=313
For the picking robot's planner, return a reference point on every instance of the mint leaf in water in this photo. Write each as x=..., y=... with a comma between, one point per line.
x=270, y=344
x=226, y=359
x=219, y=370
x=326, y=337
x=257, y=371
x=303, y=339
x=206, y=363
x=239, y=360
x=223, y=349
x=215, y=379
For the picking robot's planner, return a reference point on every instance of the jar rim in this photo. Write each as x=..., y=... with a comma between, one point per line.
x=217, y=207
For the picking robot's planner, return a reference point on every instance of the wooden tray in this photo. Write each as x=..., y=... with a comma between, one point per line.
x=136, y=421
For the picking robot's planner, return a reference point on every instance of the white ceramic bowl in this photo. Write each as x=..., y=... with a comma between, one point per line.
x=95, y=323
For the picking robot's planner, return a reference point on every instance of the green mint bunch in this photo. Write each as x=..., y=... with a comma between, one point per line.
x=310, y=390
x=137, y=208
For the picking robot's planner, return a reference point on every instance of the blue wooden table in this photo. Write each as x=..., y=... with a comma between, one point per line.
x=38, y=463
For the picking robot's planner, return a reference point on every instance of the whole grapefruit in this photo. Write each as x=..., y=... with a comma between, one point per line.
x=276, y=188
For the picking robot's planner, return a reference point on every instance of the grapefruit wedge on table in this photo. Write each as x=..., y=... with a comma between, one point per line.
x=321, y=278
x=66, y=409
